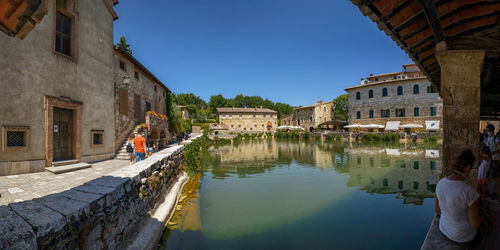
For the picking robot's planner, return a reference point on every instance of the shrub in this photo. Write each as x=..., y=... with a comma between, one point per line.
x=432, y=139
x=306, y=135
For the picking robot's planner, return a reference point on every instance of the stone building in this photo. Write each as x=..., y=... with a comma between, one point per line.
x=57, y=85
x=248, y=119
x=309, y=117
x=137, y=91
x=395, y=101
x=289, y=120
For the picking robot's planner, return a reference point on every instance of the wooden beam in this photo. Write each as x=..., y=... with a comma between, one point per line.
x=433, y=19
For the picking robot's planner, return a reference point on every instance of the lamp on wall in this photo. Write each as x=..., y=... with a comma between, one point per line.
x=126, y=81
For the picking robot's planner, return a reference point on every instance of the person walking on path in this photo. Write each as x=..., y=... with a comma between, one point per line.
x=140, y=147
x=493, y=142
x=130, y=149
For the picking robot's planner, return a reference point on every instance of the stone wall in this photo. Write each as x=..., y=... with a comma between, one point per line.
x=103, y=213
x=133, y=88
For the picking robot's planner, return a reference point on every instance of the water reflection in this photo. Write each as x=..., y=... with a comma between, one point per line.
x=409, y=172
x=263, y=193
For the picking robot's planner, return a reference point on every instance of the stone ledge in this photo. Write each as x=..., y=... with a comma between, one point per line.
x=105, y=208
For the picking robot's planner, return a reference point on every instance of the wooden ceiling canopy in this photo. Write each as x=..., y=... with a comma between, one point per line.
x=417, y=26
x=19, y=17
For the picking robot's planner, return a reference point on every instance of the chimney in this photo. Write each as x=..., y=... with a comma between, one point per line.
x=260, y=107
x=362, y=80
x=371, y=74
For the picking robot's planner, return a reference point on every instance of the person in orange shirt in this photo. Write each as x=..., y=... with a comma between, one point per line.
x=140, y=147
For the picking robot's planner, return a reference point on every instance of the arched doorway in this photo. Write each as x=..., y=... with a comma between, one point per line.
x=269, y=126
x=311, y=129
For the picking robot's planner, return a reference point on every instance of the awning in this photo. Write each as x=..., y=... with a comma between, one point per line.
x=432, y=153
x=432, y=125
x=411, y=125
x=371, y=126
x=392, y=126
x=352, y=126
x=392, y=151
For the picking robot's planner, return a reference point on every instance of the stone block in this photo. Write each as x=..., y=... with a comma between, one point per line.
x=19, y=167
x=42, y=218
x=96, y=201
x=37, y=166
x=4, y=168
x=72, y=209
x=15, y=233
x=111, y=195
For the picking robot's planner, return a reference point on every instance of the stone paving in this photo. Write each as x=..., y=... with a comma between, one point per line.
x=17, y=188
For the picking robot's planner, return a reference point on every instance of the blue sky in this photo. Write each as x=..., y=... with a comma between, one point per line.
x=292, y=51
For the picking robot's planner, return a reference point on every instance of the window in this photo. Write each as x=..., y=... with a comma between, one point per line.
x=433, y=111
x=415, y=185
x=271, y=115
x=324, y=109
x=15, y=138
x=400, y=90
x=416, y=164
x=310, y=118
x=359, y=161
x=400, y=184
x=372, y=162
x=385, y=113
x=97, y=137
x=358, y=95
x=224, y=116
x=240, y=116
x=63, y=34
x=384, y=92
x=122, y=65
x=416, y=111
x=429, y=89
x=230, y=115
x=253, y=115
x=370, y=94
x=400, y=112
x=264, y=115
x=433, y=165
x=358, y=115
x=136, y=75
x=232, y=126
x=371, y=113
x=415, y=89
x=385, y=182
x=156, y=89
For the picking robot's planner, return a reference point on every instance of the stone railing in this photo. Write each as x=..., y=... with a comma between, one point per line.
x=103, y=213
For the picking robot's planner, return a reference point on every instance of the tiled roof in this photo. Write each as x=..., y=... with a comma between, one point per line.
x=245, y=110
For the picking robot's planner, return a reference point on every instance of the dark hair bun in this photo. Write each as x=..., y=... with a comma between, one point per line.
x=466, y=158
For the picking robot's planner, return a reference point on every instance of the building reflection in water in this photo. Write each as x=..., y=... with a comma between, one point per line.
x=410, y=173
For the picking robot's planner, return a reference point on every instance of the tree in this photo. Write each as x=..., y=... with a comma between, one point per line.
x=124, y=46
x=217, y=101
x=341, y=105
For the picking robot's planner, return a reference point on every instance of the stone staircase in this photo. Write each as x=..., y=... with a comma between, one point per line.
x=121, y=153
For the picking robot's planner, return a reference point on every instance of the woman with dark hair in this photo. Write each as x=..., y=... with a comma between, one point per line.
x=457, y=203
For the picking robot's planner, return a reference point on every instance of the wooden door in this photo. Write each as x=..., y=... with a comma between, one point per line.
x=63, y=133
x=137, y=109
